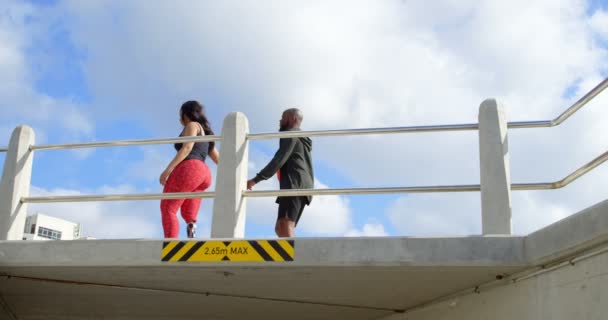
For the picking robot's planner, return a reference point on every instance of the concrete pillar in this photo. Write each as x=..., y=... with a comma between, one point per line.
x=229, y=204
x=15, y=183
x=494, y=166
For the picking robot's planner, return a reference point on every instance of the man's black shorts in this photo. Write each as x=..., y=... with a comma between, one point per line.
x=291, y=207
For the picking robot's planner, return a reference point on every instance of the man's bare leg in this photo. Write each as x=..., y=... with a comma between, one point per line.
x=285, y=228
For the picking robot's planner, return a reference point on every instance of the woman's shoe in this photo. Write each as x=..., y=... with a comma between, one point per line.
x=191, y=230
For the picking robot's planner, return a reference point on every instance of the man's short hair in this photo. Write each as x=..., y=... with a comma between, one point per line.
x=297, y=113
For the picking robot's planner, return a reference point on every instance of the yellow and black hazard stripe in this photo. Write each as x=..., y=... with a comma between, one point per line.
x=232, y=251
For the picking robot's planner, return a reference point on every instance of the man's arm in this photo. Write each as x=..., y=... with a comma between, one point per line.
x=286, y=146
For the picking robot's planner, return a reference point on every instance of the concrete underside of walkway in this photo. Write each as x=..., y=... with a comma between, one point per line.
x=330, y=278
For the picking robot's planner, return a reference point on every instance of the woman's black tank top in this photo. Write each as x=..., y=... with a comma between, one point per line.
x=200, y=150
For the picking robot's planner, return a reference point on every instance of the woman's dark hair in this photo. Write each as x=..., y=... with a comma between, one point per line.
x=196, y=112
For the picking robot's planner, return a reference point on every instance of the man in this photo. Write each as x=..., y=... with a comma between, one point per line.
x=293, y=162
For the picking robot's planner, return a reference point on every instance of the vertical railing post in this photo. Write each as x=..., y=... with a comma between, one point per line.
x=494, y=167
x=229, y=205
x=15, y=183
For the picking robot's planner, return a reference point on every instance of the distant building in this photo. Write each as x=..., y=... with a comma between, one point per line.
x=43, y=227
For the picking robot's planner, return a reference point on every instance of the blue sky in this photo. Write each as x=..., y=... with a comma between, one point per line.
x=97, y=70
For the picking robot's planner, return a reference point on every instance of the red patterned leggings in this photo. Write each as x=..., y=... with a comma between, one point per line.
x=189, y=176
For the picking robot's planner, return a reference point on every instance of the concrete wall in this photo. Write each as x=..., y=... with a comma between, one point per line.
x=578, y=291
x=568, y=236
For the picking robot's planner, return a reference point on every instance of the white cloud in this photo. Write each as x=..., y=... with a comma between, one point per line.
x=12, y=42
x=104, y=220
x=327, y=215
x=20, y=102
x=436, y=214
x=153, y=162
x=460, y=213
x=368, y=230
x=351, y=64
x=599, y=23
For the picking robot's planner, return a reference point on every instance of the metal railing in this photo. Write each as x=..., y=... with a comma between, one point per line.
x=119, y=197
x=321, y=133
x=439, y=128
x=326, y=192
x=123, y=143
x=434, y=189
x=342, y=132
x=336, y=191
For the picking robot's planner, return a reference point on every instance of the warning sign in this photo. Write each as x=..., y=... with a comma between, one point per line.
x=232, y=251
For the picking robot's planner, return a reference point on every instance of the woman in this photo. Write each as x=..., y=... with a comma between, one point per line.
x=187, y=172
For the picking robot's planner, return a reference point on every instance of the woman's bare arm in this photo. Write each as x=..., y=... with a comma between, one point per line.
x=190, y=130
x=215, y=156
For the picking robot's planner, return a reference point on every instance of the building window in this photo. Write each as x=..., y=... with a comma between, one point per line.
x=33, y=229
x=49, y=233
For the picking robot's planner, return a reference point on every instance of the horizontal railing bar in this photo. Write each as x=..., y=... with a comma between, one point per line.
x=364, y=131
x=438, y=128
x=432, y=189
x=582, y=170
x=354, y=191
x=118, y=197
x=326, y=192
x=321, y=192
x=529, y=124
x=533, y=186
x=566, y=114
x=124, y=143
x=392, y=130
x=566, y=180
x=342, y=132
x=580, y=103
